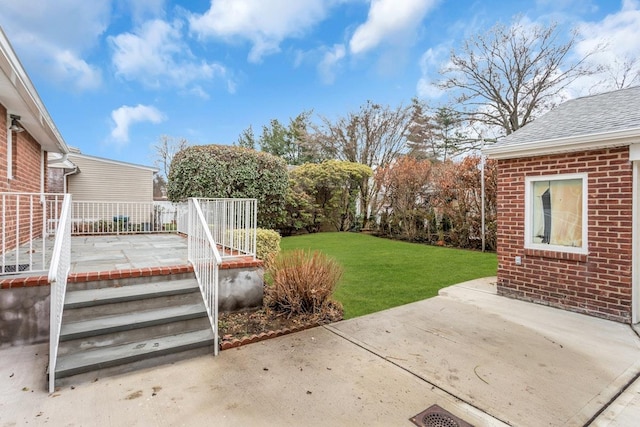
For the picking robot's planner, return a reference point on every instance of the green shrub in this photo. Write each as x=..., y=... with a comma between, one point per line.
x=220, y=171
x=303, y=282
x=267, y=245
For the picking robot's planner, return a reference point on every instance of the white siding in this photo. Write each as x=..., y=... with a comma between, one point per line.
x=107, y=180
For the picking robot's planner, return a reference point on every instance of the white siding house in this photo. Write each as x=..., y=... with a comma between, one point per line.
x=109, y=180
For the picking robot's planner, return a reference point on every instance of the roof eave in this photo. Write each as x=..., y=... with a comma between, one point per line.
x=594, y=141
x=21, y=98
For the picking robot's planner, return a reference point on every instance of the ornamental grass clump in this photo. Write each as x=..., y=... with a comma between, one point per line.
x=302, y=283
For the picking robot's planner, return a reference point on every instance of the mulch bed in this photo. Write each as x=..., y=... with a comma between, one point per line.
x=236, y=329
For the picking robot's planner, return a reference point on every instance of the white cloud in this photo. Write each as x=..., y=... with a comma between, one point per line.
x=389, y=21
x=613, y=41
x=265, y=24
x=69, y=67
x=142, y=10
x=431, y=61
x=156, y=55
x=331, y=61
x=126, y=116
x=50, y=37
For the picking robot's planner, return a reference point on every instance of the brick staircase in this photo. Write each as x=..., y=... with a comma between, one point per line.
x=117, y=325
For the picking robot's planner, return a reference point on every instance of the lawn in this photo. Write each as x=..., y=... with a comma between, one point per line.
x=382, y=273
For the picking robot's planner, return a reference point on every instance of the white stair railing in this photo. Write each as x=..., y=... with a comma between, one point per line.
x=233, y=225
x=205, y=258
x=58, y=274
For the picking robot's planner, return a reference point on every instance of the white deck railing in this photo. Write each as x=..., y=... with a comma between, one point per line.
x=205, y=258
x=107, y=217
x=233, y=225
x=29, y=220
x=58, y=273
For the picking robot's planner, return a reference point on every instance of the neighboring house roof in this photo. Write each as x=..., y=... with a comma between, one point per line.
x=20, y=97
x=592, y=122
x=76, y=154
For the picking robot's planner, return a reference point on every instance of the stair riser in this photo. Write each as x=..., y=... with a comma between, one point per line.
x=64, y=379
x=98, y=284
x=123, y=337
x=126, y=307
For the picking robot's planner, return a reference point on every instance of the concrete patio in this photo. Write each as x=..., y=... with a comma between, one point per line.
x=123, y=252
x=488, y=360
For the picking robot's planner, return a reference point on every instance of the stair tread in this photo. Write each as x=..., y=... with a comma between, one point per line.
x=107, y=295
x=116, y=355
x=98, y=325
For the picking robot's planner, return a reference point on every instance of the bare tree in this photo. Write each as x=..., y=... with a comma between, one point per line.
x=373, y=136
x=164, y=150
x=621, y=73
x=509, y=75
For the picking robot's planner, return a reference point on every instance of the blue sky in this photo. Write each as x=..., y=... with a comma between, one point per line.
x=115, y=75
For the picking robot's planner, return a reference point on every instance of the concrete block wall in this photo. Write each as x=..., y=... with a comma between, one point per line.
x=24, y=315
x=598, y=283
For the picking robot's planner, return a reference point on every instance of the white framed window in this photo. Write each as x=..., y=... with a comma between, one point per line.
x=556, y=213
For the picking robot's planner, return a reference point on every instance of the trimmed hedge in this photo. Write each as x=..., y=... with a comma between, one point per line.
x=221, y=171
x=267, y=245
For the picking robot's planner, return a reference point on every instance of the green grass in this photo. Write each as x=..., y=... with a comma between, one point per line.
x=382, y=273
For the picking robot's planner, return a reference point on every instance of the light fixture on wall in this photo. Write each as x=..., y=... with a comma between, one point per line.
x=15, y=126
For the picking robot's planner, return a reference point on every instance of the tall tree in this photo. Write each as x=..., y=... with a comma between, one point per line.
x=450, y=138
x=420, y=132
x=621, y=73
x=436, y=136
x=247, y=139
x=510, y=74
x=373, y=136
x=164, y=151
x=275, y=139
x=288, y=142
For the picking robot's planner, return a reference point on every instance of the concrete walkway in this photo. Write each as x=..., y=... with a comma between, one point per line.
x=489, y=360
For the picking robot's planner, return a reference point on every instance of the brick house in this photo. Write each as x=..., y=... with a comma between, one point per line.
x=27, y=134
x=568, y=211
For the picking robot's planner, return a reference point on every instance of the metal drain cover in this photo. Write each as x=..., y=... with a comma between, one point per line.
x=435, y=416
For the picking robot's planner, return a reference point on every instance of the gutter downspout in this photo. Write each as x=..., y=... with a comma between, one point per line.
x=64, y=177
x=43, y=169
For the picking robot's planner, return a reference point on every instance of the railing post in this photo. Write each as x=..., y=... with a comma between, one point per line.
x=189, y=228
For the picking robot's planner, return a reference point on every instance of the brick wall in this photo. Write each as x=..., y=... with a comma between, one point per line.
x=27, y=170
x=55, y=179
x=597, y=284
x=4, y=183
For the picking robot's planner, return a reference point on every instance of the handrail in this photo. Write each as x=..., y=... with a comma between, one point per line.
x=205, y=258
x=58, y=273
x=233, y=225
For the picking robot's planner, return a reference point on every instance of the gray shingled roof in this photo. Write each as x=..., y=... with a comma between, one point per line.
x=607, y=112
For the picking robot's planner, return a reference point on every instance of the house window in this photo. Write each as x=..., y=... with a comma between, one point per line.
x=556, y=213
